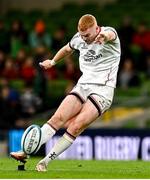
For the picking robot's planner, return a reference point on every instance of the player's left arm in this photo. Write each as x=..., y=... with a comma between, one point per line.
x=105, y=36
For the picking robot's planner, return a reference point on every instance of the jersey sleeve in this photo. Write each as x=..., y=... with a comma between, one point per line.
x=74, y=43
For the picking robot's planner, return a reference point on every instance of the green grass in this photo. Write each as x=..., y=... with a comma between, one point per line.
x=63, y=169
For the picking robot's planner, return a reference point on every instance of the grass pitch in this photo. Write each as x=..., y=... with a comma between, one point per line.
x=78, y=169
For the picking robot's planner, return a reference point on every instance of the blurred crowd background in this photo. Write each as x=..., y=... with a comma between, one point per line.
x=27, y=36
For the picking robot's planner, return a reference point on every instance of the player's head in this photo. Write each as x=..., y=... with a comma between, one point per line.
x=88, y=28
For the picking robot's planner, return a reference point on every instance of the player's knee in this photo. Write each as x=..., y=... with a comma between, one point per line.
x=57, y=120
x=75, y=128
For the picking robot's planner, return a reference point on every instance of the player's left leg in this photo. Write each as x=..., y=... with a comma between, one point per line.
x=96, y=105
x=76, y=126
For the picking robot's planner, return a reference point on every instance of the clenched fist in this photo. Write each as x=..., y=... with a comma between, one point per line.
x=105, y=36
x=47, y=64
x=101, y=37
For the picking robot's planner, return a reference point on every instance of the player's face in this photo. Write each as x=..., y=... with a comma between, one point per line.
x=89, y=35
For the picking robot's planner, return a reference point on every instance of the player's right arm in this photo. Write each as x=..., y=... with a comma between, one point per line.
x=64, y=51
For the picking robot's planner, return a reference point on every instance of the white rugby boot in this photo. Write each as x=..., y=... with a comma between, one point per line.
x=41, y=166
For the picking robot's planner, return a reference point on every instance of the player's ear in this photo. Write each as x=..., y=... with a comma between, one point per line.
x=97, y=28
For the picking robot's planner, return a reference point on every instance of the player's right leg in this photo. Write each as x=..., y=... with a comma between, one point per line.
x=69, y=108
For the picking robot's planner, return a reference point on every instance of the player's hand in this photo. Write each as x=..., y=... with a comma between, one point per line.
x=101, y=37
x=46, y=64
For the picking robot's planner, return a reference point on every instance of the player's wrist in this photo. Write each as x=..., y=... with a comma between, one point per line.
x=52, y=62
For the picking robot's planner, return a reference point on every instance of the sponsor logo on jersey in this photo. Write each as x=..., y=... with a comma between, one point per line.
x=91, y=56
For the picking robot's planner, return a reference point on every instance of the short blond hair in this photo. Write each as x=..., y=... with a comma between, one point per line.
x=86, y=21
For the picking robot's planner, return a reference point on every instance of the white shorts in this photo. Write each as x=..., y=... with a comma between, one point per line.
x=100, y=95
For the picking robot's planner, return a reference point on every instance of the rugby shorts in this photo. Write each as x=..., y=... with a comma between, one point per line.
x=100, y=95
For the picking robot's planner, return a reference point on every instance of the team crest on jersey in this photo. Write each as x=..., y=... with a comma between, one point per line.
x=91, y=56
x=83, y=45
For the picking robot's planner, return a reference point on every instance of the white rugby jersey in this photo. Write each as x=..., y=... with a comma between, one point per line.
x=98, y=62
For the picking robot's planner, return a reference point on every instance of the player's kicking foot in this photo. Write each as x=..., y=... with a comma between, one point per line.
x=41, y=166
x=19, y=156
